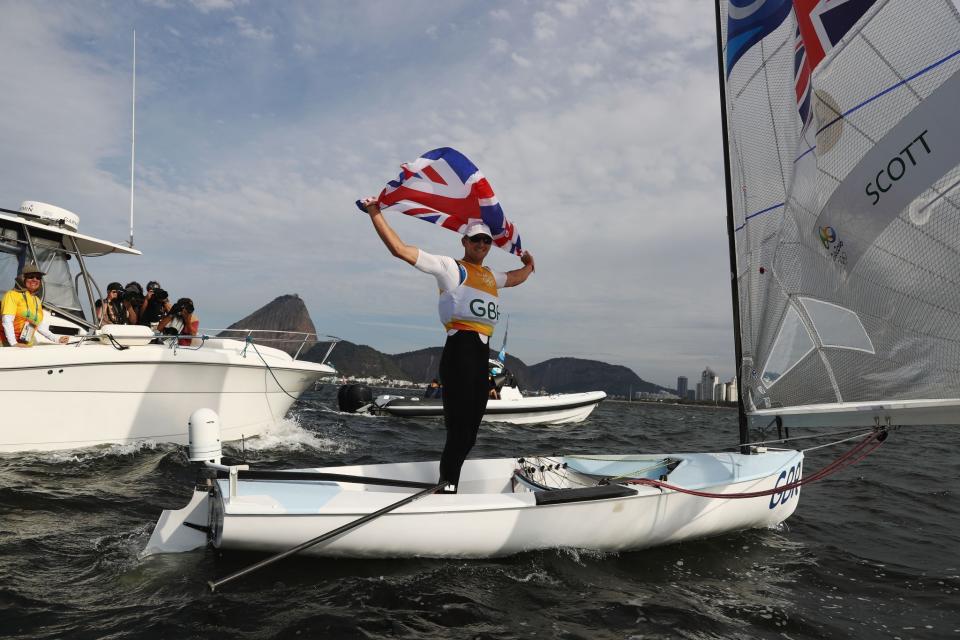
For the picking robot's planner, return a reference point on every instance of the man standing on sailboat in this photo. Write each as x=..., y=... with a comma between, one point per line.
x=469, y=312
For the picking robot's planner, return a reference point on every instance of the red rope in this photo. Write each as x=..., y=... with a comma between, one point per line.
x=864, y=448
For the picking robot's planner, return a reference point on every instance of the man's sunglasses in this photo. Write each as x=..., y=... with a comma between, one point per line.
x=32, y=276
x=481, y=238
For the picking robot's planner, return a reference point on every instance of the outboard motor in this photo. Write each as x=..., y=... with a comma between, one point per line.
x=351, y=397
x=500, y=374
x=204, y=431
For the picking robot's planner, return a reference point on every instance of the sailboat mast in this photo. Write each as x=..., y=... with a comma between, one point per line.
x=731, y=231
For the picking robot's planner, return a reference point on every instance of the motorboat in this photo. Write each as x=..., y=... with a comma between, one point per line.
x=509, y=405
x=119, y=383
x=512, y=406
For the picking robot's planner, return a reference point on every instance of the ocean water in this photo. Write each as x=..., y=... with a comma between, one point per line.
x=872, y=552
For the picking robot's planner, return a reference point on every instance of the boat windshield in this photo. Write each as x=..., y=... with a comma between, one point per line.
x=59, y=285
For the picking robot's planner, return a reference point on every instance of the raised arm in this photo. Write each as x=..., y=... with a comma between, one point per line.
x=519, y=276
x=397, y=247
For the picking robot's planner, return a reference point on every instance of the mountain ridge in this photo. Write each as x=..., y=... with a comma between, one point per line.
x=285, y=318
x=288, y=316
x=555, y=375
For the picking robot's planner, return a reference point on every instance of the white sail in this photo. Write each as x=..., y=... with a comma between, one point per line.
x=845, y=158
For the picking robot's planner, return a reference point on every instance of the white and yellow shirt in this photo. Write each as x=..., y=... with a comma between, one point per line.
x=27, y=312
x=468, y=293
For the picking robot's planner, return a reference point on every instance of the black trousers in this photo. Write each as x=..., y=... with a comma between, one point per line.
x=463, y=372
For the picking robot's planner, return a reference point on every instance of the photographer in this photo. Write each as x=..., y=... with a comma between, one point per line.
x=155, y=305
x=133, y=301
x=111, y=309
x=181, y=320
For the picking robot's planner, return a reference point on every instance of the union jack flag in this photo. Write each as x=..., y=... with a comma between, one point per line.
x=443, y=187
x=821, y=24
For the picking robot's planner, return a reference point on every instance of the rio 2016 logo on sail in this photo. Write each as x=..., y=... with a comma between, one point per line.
x=787, y=478
x=830, y=242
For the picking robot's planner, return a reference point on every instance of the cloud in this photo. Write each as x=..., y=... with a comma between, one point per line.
x=570, y=8
x=69, y=115
x=581, y=71
x=247, y=30
x=520, y=60
x=208, y=6
x=598, y=131
x=544, y=26
x=499, y=45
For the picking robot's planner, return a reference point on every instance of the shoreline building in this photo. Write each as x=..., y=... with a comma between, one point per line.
x=731, y=395
x=720, y=392
x=682, y=383
x=706, y=388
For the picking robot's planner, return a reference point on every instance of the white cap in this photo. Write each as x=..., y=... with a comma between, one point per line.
x=477, y=227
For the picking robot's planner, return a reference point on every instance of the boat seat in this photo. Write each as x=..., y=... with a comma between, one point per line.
x=128, y=335
x=601, y=492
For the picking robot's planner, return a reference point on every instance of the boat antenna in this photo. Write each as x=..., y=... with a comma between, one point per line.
x=133, y=133
x=731, y=233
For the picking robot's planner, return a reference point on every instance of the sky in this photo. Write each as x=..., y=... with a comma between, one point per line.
x=258, y=124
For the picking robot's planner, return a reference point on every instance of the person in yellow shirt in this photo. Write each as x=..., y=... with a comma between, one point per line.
x=22, y=311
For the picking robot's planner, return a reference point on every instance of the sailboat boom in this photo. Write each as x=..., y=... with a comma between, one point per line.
x=862, y=414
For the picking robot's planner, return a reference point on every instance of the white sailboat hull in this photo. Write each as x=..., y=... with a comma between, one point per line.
x=491, y=515
x=66, y=397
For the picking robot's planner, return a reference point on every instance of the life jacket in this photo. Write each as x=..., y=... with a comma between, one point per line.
x=472, y=305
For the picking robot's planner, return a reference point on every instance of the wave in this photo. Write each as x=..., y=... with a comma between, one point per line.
x=88, y=454
x=287, y=435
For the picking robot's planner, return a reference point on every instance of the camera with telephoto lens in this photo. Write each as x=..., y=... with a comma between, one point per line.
x=160, y=294
x=181, y=305
x=133, y=293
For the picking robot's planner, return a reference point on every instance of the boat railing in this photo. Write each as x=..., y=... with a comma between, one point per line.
x=270, y=337
x=275, y=338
